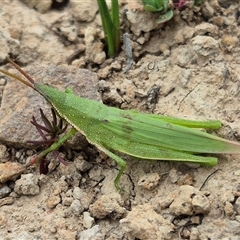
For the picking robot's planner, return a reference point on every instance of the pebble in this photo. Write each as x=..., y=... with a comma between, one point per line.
x=67, y=201
x=189, y=201
x=207, y=10
x=4, y=154
x=84, y=11
x=143, y=222
x=53, y=201
x=6, y=201
x=138, y=23
x=10, y=171
x=228, y=209
x=93, y=233
x=237, y=205
x=76, y=207
x=41, y=6
x=229, y=42
x=149, y=181
x=27, y=185
x=227, y=195
x=108, y=205
x=88, y=221
x=94, y=47
x=84, y=197
x=4, y=191
x=81, y=164
x=205, y=45
x=206, y=29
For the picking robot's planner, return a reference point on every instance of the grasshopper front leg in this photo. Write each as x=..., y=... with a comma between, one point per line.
x=57, y=144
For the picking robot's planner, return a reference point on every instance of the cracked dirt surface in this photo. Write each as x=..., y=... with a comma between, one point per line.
x=186, y=68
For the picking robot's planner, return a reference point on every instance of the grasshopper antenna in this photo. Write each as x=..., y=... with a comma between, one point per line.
x=17, y=77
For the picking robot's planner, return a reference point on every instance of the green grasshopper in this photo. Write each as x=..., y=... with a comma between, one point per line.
x=139, y=135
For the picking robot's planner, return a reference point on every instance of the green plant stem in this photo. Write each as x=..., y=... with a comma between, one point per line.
x=116, y=24
x=111, y=25
x=108, y=26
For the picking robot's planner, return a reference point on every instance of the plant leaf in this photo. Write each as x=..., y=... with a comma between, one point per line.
x=151, y=8
x=165, y=17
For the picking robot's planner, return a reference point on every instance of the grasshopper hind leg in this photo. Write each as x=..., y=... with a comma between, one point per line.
x=121, y=163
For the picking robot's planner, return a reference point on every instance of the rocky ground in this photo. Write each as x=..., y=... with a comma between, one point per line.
x=187, y=68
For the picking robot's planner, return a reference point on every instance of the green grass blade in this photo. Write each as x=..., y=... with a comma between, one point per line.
x=116, y=24
x=108, y=26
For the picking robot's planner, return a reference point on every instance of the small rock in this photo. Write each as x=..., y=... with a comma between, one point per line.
x=66, y=200
x=205, y=45
x=200, y=204
x=183, y=34
x=87, y=220
x=227, y=195
x=61, y=186
x=6, y=201
x=96, y=174
x=194, y=235
x=235, y=227
x=182, y=56
x=237, y=205
x=53, y=201
x=81, y=164
x=66, y=27
x=85, y=198
x=84, y=11
x=166, y=201
x=207, y=10
x=189, y=201
x=3, y=219
x=10, y=171
x=4, y=191
x=218, y=20
x=186, y=179
x=91, y=234
x=138, y=23
x=8, y=45
x=163, y=47
x=41, y=6
x=144, y=223
x=4, y=154
x=228, y=209
x=27, y=185
x=94, y=48
x=149, y=181
x=76, y=207
x=108, y=205
x=70, y=172
x=173, y=175
x=77, y=193
x=206, y=29
x=43, y=179
x=141, y=40
x=113, y=97
x=229, y=42
x=67, y=234
x=185, y=233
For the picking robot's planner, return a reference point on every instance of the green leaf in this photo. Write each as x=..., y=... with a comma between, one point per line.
x=153, y=5
x=165, y=5
x=150, y=8
x=165, y=17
